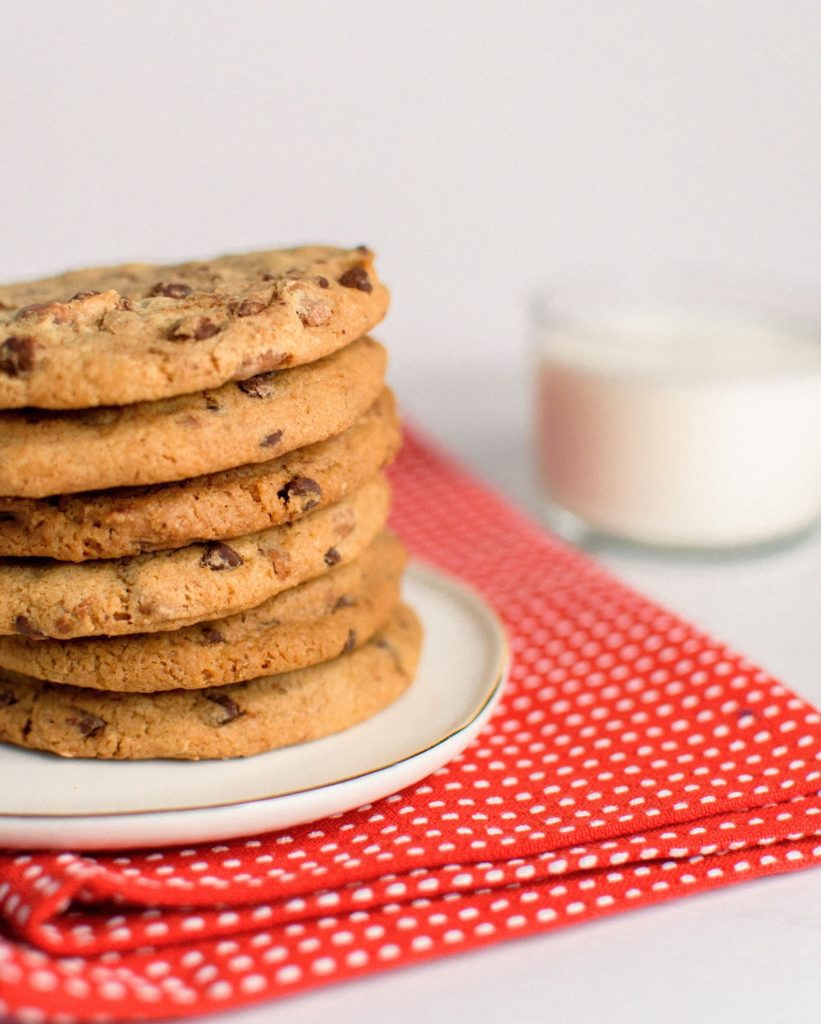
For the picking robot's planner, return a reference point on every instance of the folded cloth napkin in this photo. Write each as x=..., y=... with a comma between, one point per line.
x=632, y=760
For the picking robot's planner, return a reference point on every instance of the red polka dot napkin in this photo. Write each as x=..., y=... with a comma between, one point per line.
x=632, y=760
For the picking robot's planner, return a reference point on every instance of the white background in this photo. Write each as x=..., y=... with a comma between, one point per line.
x=478, y=146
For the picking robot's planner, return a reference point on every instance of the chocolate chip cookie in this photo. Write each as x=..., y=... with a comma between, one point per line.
x=301, y=626
x=171, y=589
x=140, y=332
x=125, y=522
x=48, y=453
x=217, y=722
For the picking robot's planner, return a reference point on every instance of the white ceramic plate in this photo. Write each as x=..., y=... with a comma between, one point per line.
x=47, y=801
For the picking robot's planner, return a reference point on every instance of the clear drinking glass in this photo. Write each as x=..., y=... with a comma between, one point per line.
x=677, y=412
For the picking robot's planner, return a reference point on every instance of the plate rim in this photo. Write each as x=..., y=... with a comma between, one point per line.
x=432, y=575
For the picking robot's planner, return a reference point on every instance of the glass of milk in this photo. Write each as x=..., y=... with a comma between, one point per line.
x=677, y=414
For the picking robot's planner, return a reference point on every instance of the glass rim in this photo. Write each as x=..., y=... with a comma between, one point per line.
x=567, y=297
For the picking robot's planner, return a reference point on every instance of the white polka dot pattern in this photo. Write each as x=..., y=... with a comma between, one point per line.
x=632, y=760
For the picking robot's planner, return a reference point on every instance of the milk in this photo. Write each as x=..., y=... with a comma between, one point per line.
x=688, y=433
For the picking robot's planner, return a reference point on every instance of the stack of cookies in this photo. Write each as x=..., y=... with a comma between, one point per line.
x=193, y=556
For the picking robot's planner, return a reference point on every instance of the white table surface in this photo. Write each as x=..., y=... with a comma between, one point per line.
x=750, y=953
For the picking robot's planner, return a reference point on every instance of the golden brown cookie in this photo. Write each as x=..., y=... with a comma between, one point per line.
x=217, y=722
x=306, y=624
x=140, y=332
x=171, y=589
x=48, y=453
x=124, y=522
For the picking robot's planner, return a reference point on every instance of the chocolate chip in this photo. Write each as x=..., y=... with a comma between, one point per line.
x=171, y=289
x=211, y=636
x=356, y=277
x=280, y=560
x=218, y=556
x=262, y=386
x=323, y=282
x=268, y=277
x=83, y=295
x=7, y=698
x=25, y=628
x=34, y=307
x=206, y=329
x=250, y=307
x=229, y=706
x=350, y=641
x=271, y=440
x=211, y=404
x=197, y=329
x=17, y=356
x=87, y=725
x=7, y=517
x=332, y=557
x=301, y=487
x=343, y=601
x=363, y=249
